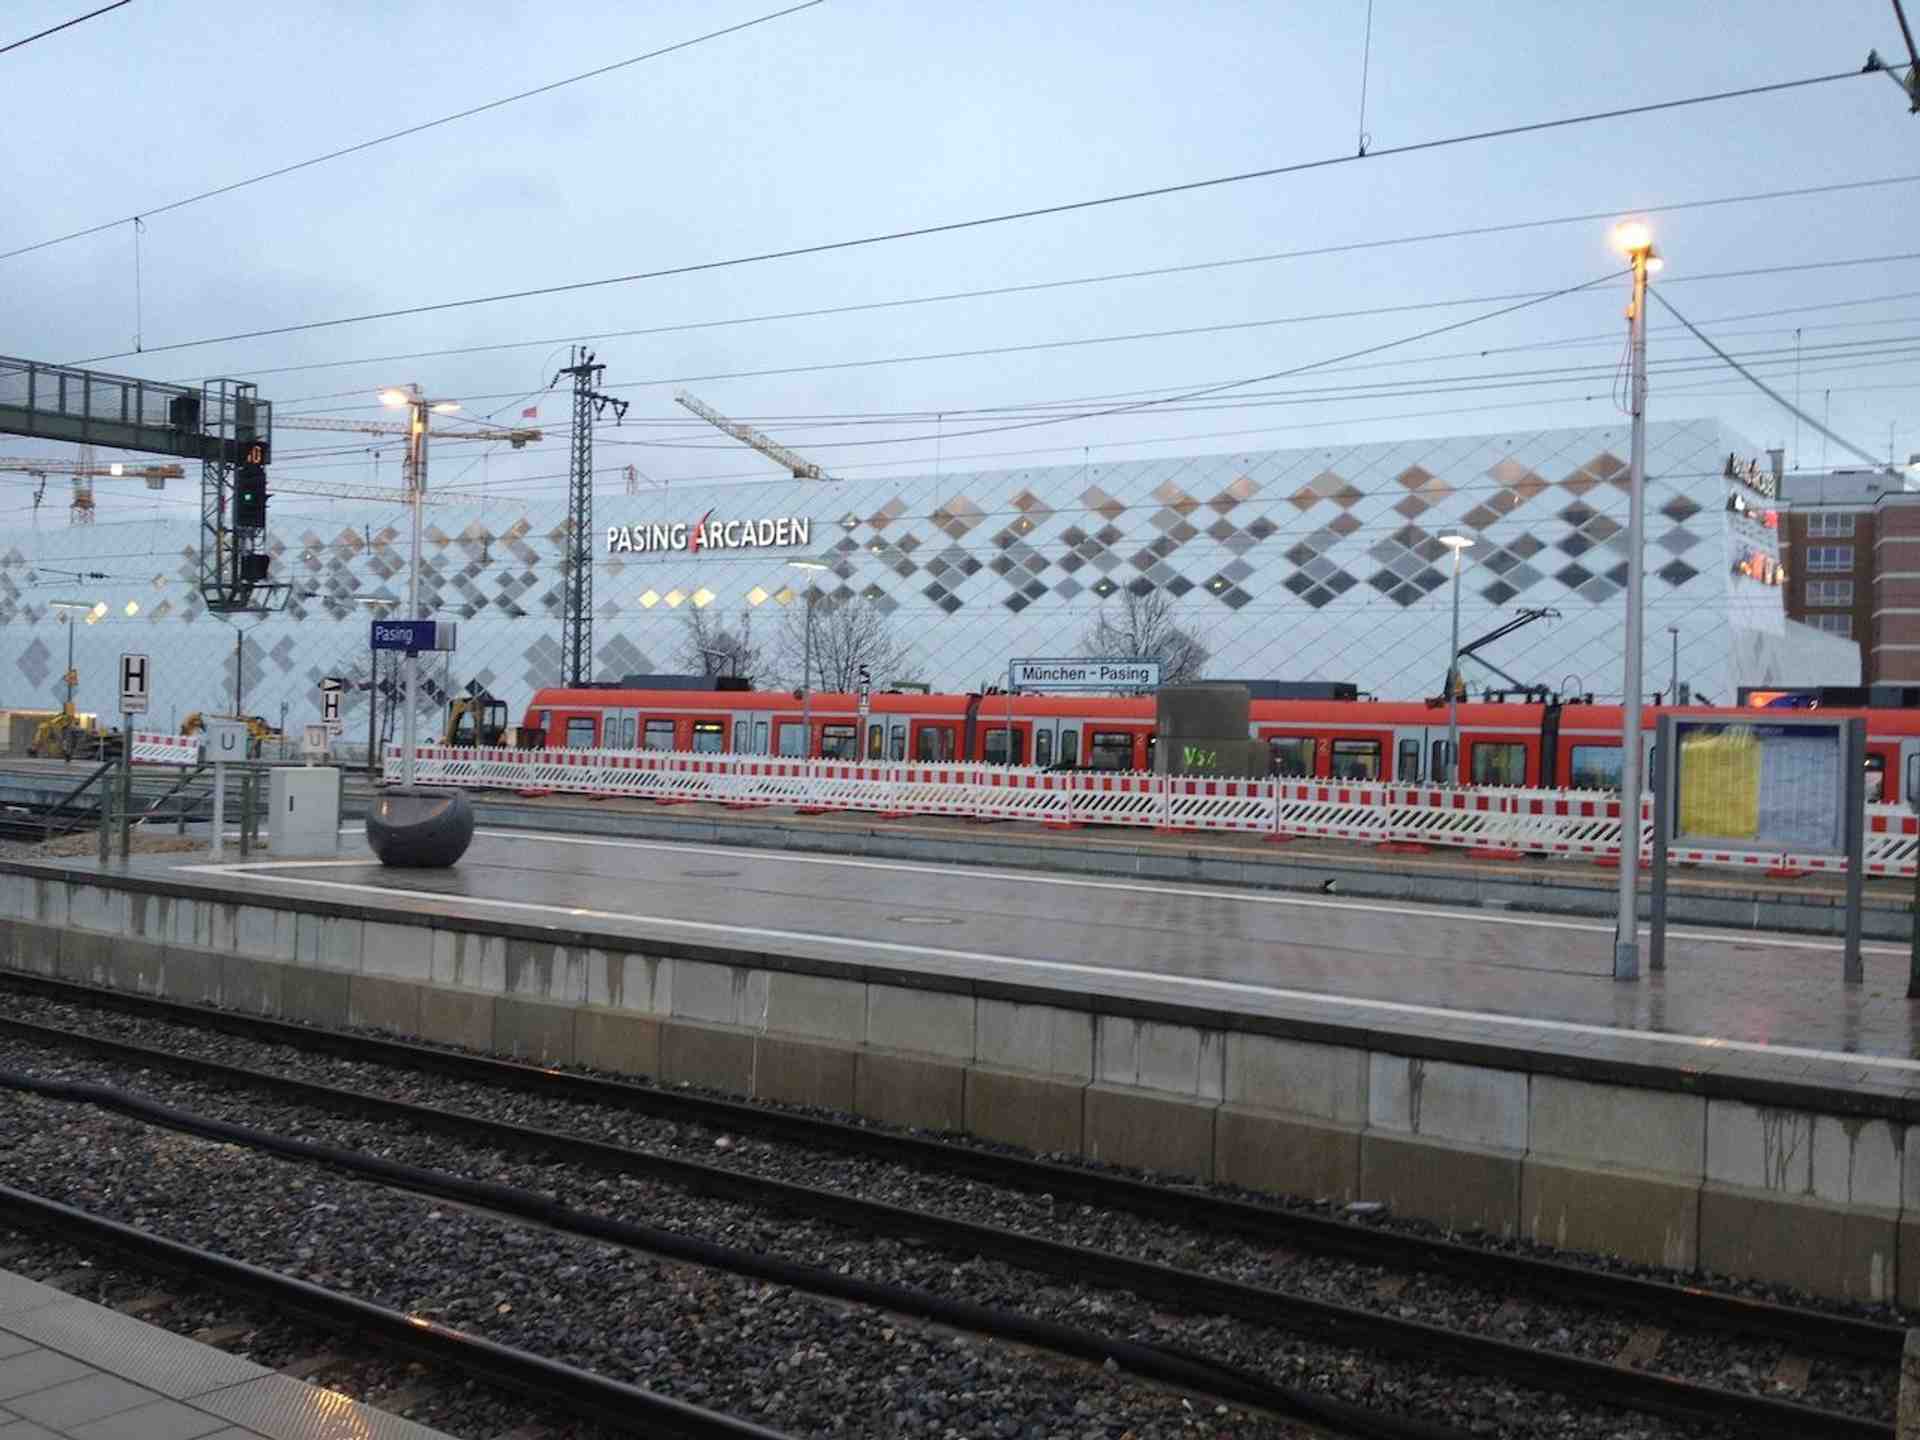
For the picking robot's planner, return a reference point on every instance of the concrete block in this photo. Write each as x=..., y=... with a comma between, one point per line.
x=1463, y=1104
x=400, y=952
x=382, y=1004
x=1041, y=1038
x=1592, y=1125
x=457, y=1017
x=86, y=956
x=50, y=903
x=784, y=1003
x=1759, y=1149
x=1462, y=1187
x=34, y=947
x=533, y=1030
x=1149, y=1130
x=470, y=961
x=148, y=918
x=137, y=965
x=707, y=1056
x=910, y=1090
x=922, y=1022
x=626, y=980
x=1041, y=1113
x=713, y=994
x=190, y=922
x=260, y=933
x=224, y=919
x=1858, y=1163
x=190, y=975
x=319, y=997
x=546, y=972
x=1150, y=1055
x=607, y=1040
x=94, y=907
x=1313, y=1159
x=1637, y=1215
x=253, y=985
x=1792, y=1240
x=1297, y=1077
x=802, y=1072
x=327, y=942
x=16, y=896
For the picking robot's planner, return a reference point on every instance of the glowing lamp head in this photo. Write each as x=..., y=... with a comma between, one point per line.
x=1633, y=237
x=395, y=398
x=446, y=407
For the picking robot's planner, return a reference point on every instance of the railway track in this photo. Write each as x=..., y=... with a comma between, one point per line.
x=1811, y=1371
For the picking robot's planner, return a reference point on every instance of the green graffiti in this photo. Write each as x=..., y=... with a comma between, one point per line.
x=1192, y=758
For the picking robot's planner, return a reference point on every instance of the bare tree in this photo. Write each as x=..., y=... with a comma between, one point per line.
x=1143, y=628
x=847, y=634
x=708, y=647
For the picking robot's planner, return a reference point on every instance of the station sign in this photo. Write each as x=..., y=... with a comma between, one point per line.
x=413, y=636
x=1083, y=675
x=783, y=532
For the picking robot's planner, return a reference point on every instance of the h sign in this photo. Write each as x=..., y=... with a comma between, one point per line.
x=330, y=707
x=135, y=682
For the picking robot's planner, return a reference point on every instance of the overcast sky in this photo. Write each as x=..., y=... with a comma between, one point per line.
x=853, y=118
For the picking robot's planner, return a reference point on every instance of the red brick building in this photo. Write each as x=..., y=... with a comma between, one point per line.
x=1850, y=544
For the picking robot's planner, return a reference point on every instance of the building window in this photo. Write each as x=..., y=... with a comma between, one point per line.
x=1825, y=524
x=1836, y=559
x=1830, y=592
x=1841, y=625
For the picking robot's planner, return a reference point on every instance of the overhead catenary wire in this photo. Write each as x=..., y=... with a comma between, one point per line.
x=64, y=25
x=355, y=149
x=1004, y=217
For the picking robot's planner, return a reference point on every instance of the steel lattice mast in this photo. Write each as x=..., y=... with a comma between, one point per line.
x=576, y=585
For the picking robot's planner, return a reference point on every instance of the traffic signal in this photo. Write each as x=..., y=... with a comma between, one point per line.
x=250, y=497
x=253, y=568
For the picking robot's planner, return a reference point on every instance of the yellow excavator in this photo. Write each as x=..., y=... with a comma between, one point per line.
x=474, y=719
x=258, y=730
x=65, y=735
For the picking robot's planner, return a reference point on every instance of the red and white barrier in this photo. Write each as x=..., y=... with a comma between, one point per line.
x=155, y=749
x=1571, y=823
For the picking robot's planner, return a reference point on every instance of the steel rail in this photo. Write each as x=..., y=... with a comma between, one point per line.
x=1169, y=1285
x=579, y=1392
x=1813, y=1331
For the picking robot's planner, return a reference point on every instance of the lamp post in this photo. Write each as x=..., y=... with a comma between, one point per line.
x=806, y=664
x=373, y=689
x=1637, y=241
x=418, y=407
x=69, y=609
x=1455, y=543
x=1673, y=675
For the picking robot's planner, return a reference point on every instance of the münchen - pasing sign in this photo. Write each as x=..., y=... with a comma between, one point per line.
x=1070, y=675
x=783, y=533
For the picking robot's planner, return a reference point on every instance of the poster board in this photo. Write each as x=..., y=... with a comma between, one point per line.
x=1778, y=786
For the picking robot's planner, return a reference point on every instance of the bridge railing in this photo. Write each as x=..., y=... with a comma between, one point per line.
x=1489, y=821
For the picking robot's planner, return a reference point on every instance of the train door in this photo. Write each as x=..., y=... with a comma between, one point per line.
x=1909, y=774
x=1056, y=743
x=622, y=730
x=752, y=734
x=1410, y=754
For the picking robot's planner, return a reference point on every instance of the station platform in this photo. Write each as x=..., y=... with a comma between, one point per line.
x=1478, y=1067
x=73, y=1370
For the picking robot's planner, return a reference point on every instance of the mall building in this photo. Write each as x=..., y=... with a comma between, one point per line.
x=1312, y=564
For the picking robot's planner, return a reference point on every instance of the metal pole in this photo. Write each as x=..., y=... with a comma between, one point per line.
x=219, y=807
x=806, y=681
x=239, y=666
x=373, y=713
x=1665, y=730
x=1453, y=683
x=1854, y=750
x=126, y=784
x=1673, y=676
x=69, y=615
x=1626, y=932
x=411, y=664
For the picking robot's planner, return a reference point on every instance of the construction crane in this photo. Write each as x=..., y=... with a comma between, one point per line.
x=518, y=438
x=746, y=434
x=85, y=471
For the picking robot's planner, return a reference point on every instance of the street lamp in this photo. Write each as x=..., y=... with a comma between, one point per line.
x=1673, y=676
x=418, y=407
x=1455, y=543
x=67, y=608
x=806, y=665
x=1636, y=240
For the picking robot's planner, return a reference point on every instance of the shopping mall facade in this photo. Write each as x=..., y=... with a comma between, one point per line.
x=1288, y=564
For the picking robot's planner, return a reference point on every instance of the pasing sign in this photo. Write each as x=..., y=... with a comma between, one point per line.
x=413, y=636
x=1080, y=675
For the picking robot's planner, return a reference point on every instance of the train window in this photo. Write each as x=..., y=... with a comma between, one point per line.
x=1043, y=747
x=580, y=732
x=1110, y=750
x=1595, y=767
x=741, y=737
x=996, y=747
x=759, y=737
x=546, y=722
x=1069, y=748
x=1356, y=759
x=1876, y=778
x=709, y=737
x=659, y=735
x=1499, y=763
x=897, y=743
x=839, y=742
x=1440, y=770
x=1290, y=756
x=627, y=742
x=935, y=744
x=1913, y=779
x=793, y=738
x=1407, y=768
x=876, y=742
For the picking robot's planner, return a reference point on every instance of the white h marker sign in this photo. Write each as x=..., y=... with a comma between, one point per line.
x=135, y=682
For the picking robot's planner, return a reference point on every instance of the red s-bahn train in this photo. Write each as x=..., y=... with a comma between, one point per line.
x=1550, y=745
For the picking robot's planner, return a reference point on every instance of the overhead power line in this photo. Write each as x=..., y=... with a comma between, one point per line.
x=1005, y=217
x=1155, y=272
x=228, y=189
x=63, y=25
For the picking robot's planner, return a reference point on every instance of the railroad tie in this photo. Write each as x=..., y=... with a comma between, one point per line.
x=1793, y=1372
x=1642, y=1345
x=312, y=1365
x=218, y=1335
x=1390, y=1286
x=403, y=1400
x=145, y=1304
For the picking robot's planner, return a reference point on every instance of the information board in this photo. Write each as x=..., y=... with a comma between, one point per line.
x=1771, y=786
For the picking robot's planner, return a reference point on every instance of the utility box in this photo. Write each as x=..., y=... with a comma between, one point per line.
x=1203, y=731
x=303, y=817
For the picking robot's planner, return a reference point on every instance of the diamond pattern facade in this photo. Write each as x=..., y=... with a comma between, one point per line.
x=1293, y=564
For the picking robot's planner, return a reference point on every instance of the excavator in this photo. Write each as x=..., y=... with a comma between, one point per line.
x=258, y=730
x=65, y=735
x=476, y=719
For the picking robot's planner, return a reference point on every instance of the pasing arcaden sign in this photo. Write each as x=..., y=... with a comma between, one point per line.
x=786, y=532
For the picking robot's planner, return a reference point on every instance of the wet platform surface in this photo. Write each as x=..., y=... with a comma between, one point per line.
x=1732, y=1003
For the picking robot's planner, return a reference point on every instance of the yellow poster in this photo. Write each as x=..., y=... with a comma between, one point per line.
x=1720, y=784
